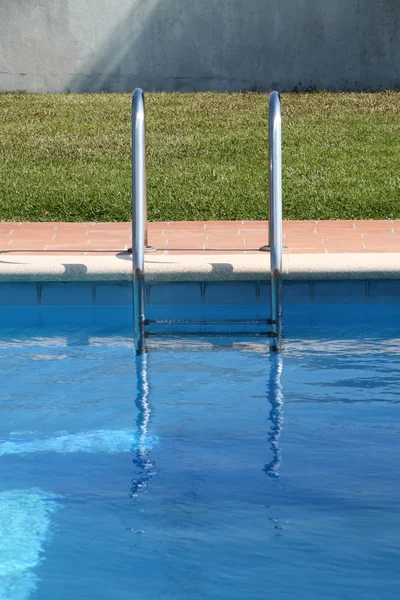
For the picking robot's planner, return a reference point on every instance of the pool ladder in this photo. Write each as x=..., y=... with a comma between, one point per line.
x=139, y=218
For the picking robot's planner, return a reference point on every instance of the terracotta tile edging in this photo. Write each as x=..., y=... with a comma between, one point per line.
x=198, y=237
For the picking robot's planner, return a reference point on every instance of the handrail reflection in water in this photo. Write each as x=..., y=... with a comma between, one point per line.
x=275, y=397
x=142, y=460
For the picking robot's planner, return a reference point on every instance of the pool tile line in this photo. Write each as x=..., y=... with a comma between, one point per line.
x=245, y=296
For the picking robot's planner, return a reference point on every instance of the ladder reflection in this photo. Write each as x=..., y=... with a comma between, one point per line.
x=275, y=397
x=142, y=460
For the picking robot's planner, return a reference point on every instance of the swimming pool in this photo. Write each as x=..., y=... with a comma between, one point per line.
x=207, y=468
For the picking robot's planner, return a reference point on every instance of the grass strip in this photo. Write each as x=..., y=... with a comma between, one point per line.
x=67, y=157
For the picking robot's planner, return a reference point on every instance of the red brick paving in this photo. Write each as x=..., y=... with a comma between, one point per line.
x=200, y=237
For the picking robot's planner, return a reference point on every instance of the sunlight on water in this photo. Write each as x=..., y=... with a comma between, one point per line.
x=88, y=441
x=24, y=529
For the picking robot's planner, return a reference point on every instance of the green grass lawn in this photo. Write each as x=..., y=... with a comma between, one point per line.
x=67, y=157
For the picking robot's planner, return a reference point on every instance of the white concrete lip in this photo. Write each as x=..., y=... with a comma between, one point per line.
x=215, y=267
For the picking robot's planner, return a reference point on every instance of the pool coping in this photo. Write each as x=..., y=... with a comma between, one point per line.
x=210, y=267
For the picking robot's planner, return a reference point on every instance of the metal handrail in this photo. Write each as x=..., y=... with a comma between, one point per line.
x=275, y=218
x=139, y=216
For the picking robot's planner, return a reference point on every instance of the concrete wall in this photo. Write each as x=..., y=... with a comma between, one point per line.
x=116, y=45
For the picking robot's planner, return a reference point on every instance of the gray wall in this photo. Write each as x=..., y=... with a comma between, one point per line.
x=116, y=45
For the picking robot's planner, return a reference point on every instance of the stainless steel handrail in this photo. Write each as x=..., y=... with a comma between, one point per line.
x=139, y=216
x=275, y=218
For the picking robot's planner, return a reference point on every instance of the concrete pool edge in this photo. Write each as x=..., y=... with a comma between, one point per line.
x=201, y=267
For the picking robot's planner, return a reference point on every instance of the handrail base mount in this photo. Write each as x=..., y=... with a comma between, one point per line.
x=267, y=248
x=147, y=249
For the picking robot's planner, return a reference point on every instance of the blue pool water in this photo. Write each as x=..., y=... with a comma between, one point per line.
x=205, y=469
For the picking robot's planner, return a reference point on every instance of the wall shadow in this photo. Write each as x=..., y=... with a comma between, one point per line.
x=228, y=45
